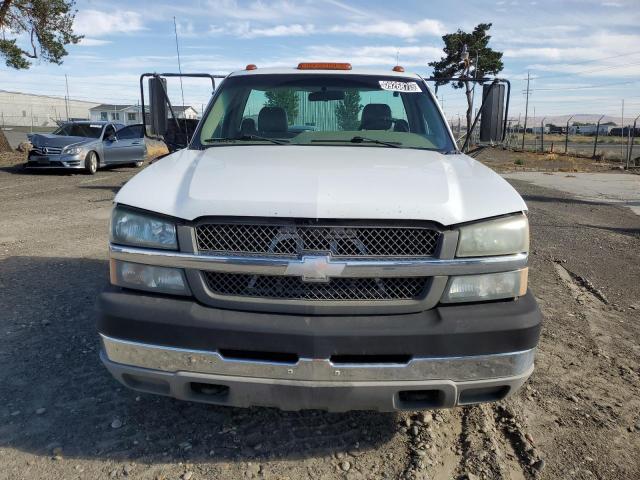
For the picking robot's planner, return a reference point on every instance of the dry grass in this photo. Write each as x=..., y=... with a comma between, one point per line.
x=509, y=161
x=9, y=159
x=586, y=139
x=155, y=149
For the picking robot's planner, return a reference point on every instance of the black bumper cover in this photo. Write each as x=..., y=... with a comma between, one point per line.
x=452, y=330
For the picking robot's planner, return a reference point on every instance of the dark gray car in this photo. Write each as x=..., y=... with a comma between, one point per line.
x=88, y=146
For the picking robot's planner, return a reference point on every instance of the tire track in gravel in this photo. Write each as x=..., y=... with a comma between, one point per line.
x=485, y=441
x=593, y=304
x=430, y=436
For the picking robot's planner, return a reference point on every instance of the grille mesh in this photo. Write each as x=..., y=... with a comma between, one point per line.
x=293, y=288
x=292, y=240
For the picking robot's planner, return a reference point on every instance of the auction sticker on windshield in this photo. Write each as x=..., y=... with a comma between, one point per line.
x=410, y=87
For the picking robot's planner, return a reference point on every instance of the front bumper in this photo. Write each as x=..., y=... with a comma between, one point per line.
x=337, y=395
x=55, y=161
x=446, y=356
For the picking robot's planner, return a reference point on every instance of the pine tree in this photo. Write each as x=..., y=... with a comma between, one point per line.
x=348, y=109
x=284, y=98
x=461, y=50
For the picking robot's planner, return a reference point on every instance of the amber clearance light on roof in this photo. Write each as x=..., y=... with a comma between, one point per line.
x=324, y=66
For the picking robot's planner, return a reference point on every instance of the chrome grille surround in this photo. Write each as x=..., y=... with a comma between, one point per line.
x=47, y=150
x=293, y=240
x=336, y=289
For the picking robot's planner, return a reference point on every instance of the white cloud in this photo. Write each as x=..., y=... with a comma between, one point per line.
x=260, y=9
x=246, y=30
x=388, y=28
x=186, y=29
x=97, y=23
x=376, y=55
x=93, y=42
x=394, y=28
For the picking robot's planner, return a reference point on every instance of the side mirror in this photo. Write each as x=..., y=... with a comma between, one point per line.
x=492, y=123
x=158, y=106
x=112, y=137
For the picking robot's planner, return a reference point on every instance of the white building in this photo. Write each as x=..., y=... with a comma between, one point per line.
x=29, y=110
x=132, y=114
x=125, y=114
x=185, y=111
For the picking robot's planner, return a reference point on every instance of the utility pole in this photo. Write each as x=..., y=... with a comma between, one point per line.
x=542, y=134
x=526, y=111
x=66, y=99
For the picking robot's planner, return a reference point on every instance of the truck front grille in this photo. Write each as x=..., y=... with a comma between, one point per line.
x=296, y=240
x=293, y=288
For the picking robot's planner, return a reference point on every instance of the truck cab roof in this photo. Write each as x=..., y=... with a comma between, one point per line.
x=297, y=71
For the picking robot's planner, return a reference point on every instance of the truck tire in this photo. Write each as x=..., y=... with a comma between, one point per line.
x=91, y=163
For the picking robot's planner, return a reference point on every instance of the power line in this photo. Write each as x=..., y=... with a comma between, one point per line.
x=580, y=72
x=599, y=59
x=585, y=86
x=593, y=60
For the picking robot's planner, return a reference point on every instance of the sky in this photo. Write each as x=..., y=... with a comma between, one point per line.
x=583, y=55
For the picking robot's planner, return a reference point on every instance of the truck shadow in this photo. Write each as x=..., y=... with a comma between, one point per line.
x=50, y=361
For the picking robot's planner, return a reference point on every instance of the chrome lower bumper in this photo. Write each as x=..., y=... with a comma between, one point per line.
x=168, y=359
x=421, y=383
x=56, y=161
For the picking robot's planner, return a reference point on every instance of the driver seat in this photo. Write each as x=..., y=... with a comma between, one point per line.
x=272, y=122
x=376, y=116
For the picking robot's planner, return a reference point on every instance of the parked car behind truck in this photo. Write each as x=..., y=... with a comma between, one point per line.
x=363, y=264
x=87, y=146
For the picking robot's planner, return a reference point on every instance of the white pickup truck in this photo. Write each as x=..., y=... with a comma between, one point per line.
x=321, y=243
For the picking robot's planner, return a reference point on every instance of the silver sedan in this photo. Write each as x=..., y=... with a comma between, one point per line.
x=87, y=146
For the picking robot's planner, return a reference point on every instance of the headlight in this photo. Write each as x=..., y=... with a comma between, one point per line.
x=490, y=286
x=72, y=150
x=142, y=230
x=148, y=277
x=502, y=236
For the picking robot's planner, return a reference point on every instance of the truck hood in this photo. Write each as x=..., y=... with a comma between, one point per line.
x=321, y=182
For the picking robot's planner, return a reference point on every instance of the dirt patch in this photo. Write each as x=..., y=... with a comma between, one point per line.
x=155, y=148
x=503, y=160
x=11, y=158
x=4, y=143
x=63, y=416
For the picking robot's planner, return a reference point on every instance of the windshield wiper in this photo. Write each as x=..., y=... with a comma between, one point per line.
x=245, y=138
x=358, y=139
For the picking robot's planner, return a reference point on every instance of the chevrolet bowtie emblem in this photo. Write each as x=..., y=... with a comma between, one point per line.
x=315, y=268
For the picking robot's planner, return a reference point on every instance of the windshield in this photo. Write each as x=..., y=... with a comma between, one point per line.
x=324, y=109
x=79, y=130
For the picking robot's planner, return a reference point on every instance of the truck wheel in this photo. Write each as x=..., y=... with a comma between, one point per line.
x=91, y=163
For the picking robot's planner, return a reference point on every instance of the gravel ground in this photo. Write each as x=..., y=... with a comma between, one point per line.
x=63, y=416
